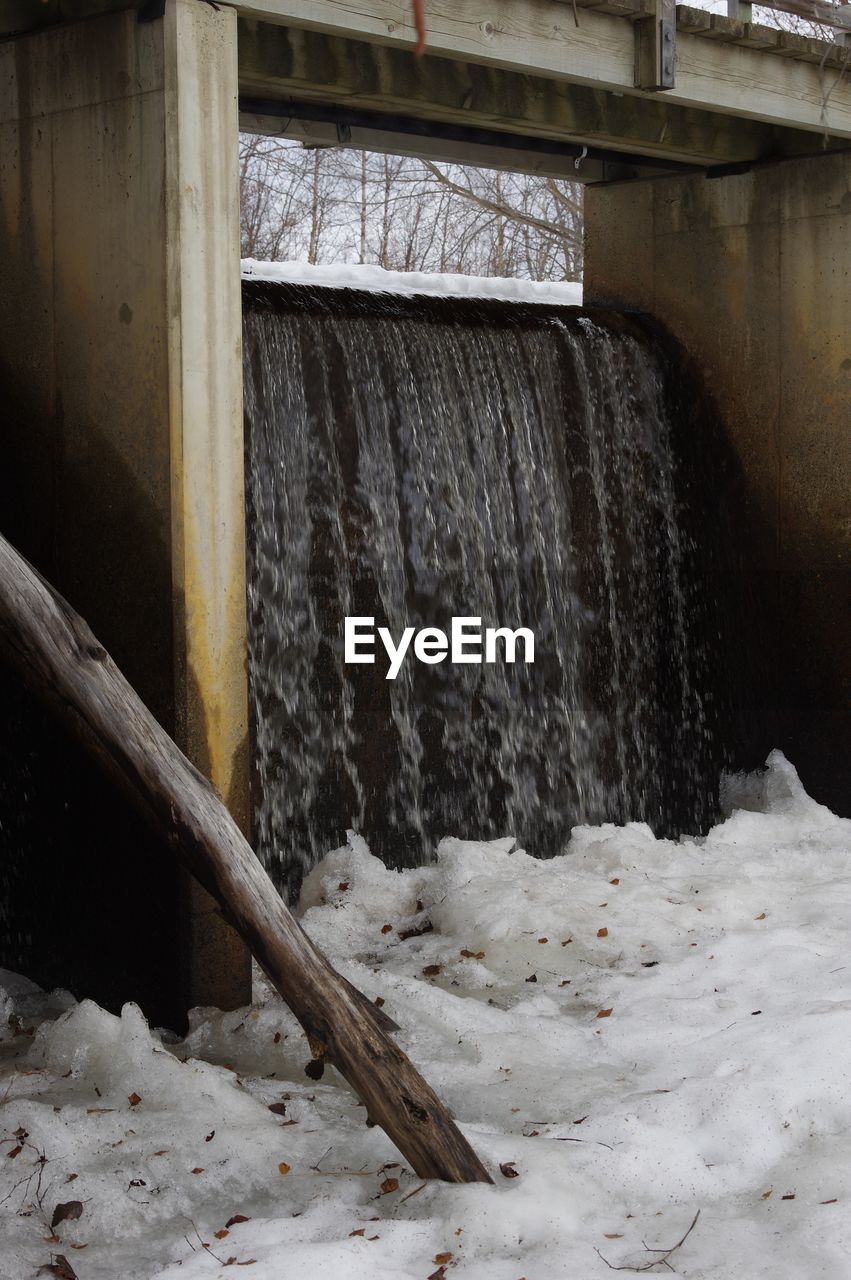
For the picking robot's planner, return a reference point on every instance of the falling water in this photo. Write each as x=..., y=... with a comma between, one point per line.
x=415, y=459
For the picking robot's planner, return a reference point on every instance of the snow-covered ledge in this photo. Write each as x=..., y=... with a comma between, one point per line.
x=377, y=280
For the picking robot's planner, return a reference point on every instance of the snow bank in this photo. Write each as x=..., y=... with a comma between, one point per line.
x=377, y=280
x=640, y=1029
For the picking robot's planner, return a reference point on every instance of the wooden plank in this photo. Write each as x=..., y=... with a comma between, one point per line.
x=53, y=651
x=275, y=62
x=827, y=15
x=540, y=37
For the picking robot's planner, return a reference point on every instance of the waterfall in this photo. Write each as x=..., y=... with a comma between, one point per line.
x=415, y=459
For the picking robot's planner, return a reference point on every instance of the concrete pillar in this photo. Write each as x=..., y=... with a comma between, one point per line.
x=120, y=335
x=752, y=272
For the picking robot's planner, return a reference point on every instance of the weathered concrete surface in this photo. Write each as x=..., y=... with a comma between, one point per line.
x=120, y=359
x=753, y=273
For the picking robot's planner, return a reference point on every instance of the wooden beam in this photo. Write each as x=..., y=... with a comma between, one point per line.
x=276, y=62
x=542, y=38
x=60, y=661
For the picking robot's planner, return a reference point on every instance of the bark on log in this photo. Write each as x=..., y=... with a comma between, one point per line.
x=62, y=663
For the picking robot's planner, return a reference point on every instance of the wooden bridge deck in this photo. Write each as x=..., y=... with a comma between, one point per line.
x=527, y=84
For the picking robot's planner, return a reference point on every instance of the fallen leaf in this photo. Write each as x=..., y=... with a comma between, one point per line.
x=220, y=1235
x=315, y=1069
x=60, y=1266
x=360, y=1231
x=604, y=1013
x=760, y=917
x=431, y=970
x=67, y=1212
x=604, y=904
x=210, y=1136
x=276, y=1038
x=615, y=881
x=507, y=1170
x=602, y=933
x=439, y=1274
x=278, y=1108
x=388, y=1185
x=16, y=1151
x=613, y=1235
x=766, y=1194
x=790, y=1196
x=567, y=942
x=198, y=1169
x=72, y=1176
x=237, y=1217
x=472, y=955
x=379, y=1002
x=283, y=1167
x=134, y=1099
x=533, y=977
x=387, y=928
x=442, y=1258
x=343, y=886
x=543, y=940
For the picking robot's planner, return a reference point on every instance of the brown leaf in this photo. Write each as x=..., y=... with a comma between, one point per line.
x=567, y=942
x=602, y=933
x=615, y=881
x=72, y=1176
x=278, y=1108
x=439, y=1274
x=472, y=955
x=533, y=977
x=766, y=1194
x=604, y=1013
x=16, y=1151
x=442, y=1258
x=388, y=1185
x=343, y=886
x=790, y=1196
x=220, y=1235
x=59, y=1266
x=431, y=970
x=613, y=1235
x=541, y=940
x=276, y=1038
x=284, y=1168
x=134, y=1099
x=198, y=1169
x=387, y=928
x=379, y=1002
x=237, y=1217
x=760, y=917
x=360, y=1231
x=315, y=1069
x=67, y=1212
x=210, y=1136
x=507, y=1170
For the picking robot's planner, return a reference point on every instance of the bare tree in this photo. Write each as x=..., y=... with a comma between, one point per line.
x=330, y=205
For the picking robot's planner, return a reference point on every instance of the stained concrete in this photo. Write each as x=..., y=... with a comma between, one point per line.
x=752, y=272
x=120, y=363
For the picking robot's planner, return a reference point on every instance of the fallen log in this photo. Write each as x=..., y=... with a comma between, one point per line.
x=62, y=663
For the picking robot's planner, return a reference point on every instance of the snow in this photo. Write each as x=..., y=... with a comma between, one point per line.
x=717, y=1081
x=377, y=280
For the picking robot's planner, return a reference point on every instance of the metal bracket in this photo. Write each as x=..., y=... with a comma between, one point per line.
x=655, y=47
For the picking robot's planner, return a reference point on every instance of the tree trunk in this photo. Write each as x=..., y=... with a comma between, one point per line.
x=60, y=661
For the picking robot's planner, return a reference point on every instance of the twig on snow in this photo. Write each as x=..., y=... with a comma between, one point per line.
x=655, y=1262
